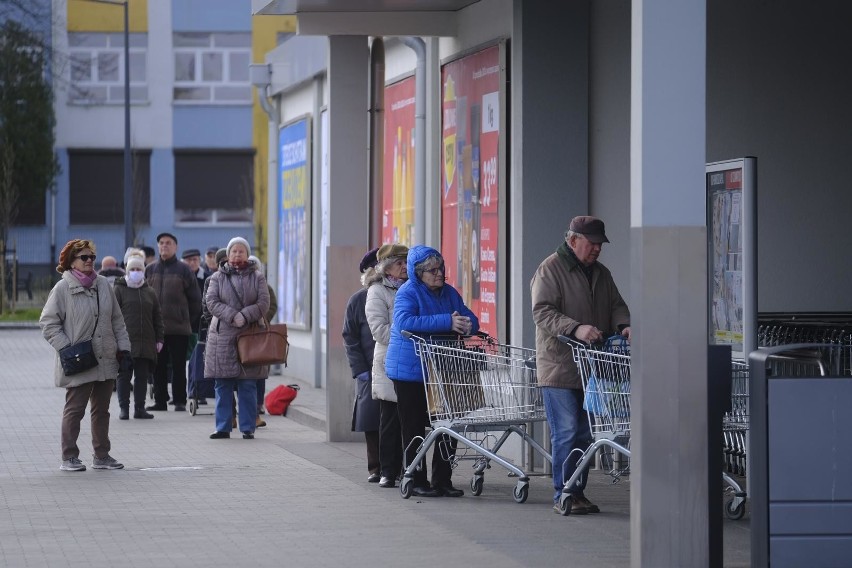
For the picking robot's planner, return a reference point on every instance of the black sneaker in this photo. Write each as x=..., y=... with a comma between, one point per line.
x=141, y=413
x=157, y=407
x=124, y=414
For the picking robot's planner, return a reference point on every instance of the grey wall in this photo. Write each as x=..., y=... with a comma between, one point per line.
x=778, y=88
x=609, y=132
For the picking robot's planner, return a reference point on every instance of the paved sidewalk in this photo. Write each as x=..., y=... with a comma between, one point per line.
x=287, y=498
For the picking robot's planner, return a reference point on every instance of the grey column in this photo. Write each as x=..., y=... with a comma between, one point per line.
x=348, y=79
x=669, y=500
x=549, y=145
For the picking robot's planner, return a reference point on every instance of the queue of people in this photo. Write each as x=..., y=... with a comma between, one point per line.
x=139, y=318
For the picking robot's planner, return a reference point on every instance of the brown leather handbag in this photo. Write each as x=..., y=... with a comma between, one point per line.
x=263, y=343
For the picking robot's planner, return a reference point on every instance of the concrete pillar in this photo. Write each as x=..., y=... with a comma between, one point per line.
x=549, y=144
x=348, y=78
x=669, y=500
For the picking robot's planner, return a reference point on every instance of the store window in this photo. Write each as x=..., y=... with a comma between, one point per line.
x=96, y=180
x=97, y=68
x=212, y=68
x=214, y=187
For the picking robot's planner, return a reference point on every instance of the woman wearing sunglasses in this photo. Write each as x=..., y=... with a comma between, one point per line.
x=425, y=305
x=82, y=307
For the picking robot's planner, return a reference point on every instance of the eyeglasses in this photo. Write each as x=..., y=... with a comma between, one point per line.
x=435, y=271
x=87, y=257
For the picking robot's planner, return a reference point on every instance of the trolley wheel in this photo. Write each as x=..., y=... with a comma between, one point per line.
x=734, y=512
x=405, y=487
x=193, y=407
x=564, y=504
x=521, y=491
x=476, y=483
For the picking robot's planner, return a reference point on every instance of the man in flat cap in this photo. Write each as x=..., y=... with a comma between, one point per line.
x=192, y=258
x=210, y=265
x=573, y=295
x=180, y=301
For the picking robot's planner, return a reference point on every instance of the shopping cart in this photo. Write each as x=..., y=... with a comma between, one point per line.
x=475, y=387
x=605, y=372
x=734, y=439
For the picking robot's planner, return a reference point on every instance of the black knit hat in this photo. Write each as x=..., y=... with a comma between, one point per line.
x=369, y=260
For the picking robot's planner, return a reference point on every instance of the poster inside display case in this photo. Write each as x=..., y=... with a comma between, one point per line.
x=472, y=101
x=732, y=254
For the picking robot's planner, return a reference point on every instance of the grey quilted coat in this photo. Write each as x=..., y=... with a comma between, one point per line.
x=230, y=292
x=68, y=317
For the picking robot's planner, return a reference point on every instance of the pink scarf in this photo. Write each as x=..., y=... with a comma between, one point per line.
x=85, y=279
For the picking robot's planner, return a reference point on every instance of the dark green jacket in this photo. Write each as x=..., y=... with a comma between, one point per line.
x=180, y=300
x=142, y=317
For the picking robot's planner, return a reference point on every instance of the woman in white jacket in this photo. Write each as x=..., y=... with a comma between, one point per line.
x=82, y=306
x=392, y=272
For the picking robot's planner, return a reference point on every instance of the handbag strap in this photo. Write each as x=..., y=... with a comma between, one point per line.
x=234, y=288
x=97, y=313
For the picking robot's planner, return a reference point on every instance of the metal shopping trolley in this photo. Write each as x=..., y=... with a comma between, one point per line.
x=734, y=439
x=474, y=388
x=605, y=372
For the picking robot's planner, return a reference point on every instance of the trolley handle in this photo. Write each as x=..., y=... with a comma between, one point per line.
x=617, y=341
x=479, y=334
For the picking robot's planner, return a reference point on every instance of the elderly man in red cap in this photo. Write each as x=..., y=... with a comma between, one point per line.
x=573, y=295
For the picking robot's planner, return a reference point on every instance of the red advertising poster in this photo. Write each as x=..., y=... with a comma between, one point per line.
x=398, y=185
x=470, y=124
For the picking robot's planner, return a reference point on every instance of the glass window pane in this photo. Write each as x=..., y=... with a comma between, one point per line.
x=139, y=94
x=86, y=40
x=107, y=67
x=191, y=39
x=212, y=66
x=234, y=215
x=116, y=94
x=238, y=70
x=193, y=215
x=138, y=64
x=231, y=40
x=138, y=40
x=184, y=66
x=233, y=94
x=81, y=67
x=192, y=94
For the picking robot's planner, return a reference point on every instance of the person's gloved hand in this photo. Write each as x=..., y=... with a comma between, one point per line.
x=159, y=346
x=125, y=361
x=365, y=376
x=239, y=320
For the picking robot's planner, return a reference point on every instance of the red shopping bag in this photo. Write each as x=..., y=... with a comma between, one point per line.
x=278, y=399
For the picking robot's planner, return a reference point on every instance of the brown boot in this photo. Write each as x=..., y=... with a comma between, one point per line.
x=259, y=422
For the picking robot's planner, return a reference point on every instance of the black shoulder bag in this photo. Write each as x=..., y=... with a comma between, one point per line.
x=80, y=356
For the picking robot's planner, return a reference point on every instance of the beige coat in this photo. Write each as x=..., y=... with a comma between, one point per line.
x=69, y=316
x=562, y=300
x=379, y=309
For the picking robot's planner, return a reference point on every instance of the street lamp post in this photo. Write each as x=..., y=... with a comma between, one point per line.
x=128, y=188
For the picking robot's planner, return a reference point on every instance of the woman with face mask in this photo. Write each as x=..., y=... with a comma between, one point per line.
x=144, y=322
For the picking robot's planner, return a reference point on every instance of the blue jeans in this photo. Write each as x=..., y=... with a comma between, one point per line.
x=247, y=396
x=569, y=430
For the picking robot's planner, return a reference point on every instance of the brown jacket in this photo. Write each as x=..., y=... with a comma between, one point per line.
x=563, y=300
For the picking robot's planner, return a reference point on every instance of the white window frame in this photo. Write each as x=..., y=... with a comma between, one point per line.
x=113, y=44
x=198, y=82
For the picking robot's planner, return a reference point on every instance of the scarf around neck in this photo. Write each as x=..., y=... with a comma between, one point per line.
x=85, y=279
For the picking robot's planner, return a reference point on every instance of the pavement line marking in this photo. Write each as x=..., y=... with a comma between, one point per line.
x=172, y=468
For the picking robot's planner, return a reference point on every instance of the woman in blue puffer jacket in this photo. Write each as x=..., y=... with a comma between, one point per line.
x=425, y=305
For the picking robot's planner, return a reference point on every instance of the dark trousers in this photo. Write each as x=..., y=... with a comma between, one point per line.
x=372, y=439
x=141, y=372
x=174, y=351
x=390, y=439
x=413, y=419
x=98, y=393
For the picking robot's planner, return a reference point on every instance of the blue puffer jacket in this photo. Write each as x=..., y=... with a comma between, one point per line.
x=422, y=312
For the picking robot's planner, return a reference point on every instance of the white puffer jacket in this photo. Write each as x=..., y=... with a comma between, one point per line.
x=379, y=309
x=69, y=316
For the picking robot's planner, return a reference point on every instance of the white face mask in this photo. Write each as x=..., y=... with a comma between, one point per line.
x=135, y=276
